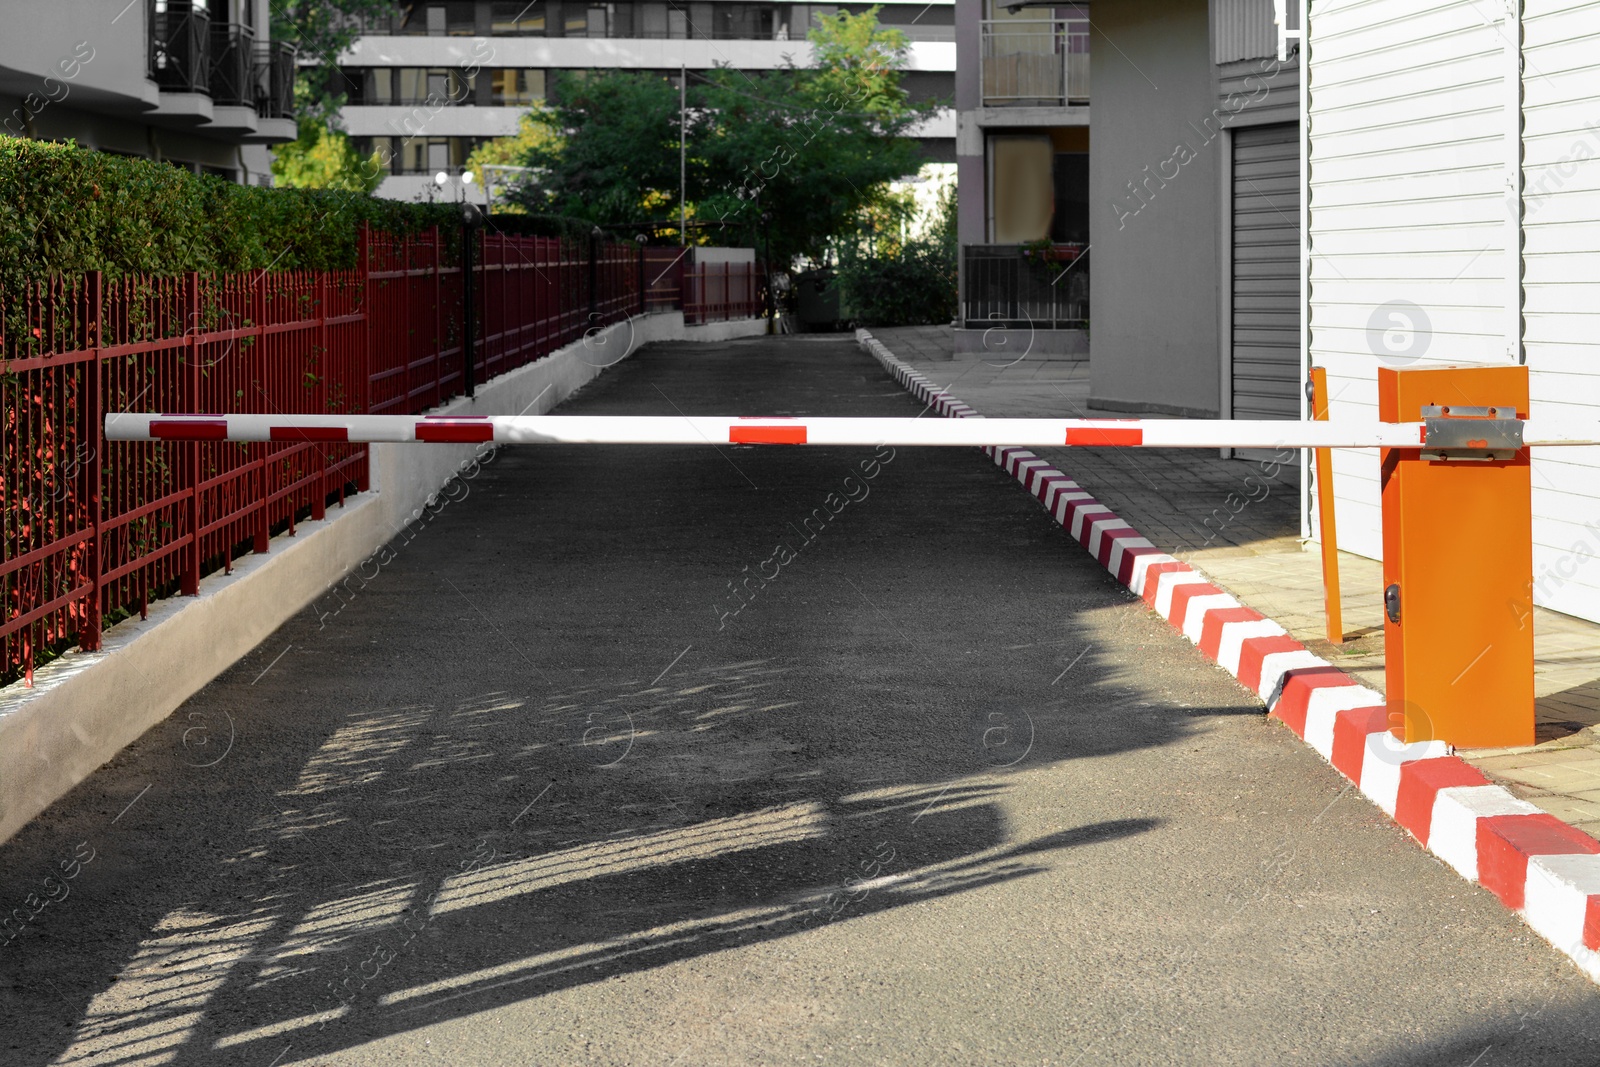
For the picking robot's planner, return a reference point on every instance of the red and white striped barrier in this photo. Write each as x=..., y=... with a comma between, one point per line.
x=722, y=430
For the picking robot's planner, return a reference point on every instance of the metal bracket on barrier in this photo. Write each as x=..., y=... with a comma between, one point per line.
x=1459, y=432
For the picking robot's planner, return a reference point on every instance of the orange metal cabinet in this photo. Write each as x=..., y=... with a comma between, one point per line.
x=1458, y=549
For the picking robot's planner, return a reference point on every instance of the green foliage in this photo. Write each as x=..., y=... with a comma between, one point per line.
x=324, y=158
x=810, y=149
x=321, y=29
x=321, y=156
x=67, y=210
x=914, y=284
x=607, y=150
x=534, y=134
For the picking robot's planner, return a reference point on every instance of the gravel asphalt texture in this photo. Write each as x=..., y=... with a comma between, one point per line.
x=747, y=755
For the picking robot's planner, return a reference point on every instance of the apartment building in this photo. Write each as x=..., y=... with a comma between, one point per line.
x=196, y=83
x=1172, y=183
x=428, y=84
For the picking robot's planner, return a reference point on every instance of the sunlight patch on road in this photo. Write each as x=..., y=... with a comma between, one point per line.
x=503, y=881
x=327, y=926
x=590, y=954
x=356, y=754
x=145, y=1016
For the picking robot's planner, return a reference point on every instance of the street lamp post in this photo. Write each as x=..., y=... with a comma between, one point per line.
x=594, y=270
x=471, y=215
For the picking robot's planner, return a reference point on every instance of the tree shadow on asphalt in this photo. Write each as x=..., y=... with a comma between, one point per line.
x=1542, y=1035
x=400, y=816
x=612, y=866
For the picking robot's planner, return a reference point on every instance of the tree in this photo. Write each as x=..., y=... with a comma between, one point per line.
x=812, y=150
x=534, y=133
x=321, y=156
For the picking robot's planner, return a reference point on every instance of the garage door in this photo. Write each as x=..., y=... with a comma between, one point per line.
x=1266, y=272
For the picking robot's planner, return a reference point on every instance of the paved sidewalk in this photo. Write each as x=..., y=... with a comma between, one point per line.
x=1239, y=522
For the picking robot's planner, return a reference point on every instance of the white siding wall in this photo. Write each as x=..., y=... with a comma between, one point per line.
x=1407, y=109
x=1412, y=112
x=1561, y=279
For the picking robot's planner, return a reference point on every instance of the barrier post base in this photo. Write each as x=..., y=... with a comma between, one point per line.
x=1457, y=568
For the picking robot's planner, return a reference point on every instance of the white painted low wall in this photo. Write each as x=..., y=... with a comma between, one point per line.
x=87, y=706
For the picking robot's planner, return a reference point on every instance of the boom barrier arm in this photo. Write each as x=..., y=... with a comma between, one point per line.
x=1458, y=545
x=1486, y=433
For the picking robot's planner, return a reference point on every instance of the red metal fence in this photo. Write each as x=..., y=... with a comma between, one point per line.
x=718, y=292
x=91, y=534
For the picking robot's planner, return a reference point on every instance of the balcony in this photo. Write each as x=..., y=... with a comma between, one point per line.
x=1034, y=62
x=180, y=49
x=1025, y=286
x=233, y=60
x=219, y=65
x=275, y=70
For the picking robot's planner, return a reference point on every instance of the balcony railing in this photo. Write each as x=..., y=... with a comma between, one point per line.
x=1019, y=287
x=233, y=61
x=180, y=49
x=189, y=53
x=274, y=79
x=1035, y=62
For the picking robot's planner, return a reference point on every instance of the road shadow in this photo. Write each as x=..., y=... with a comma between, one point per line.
x=540, y=748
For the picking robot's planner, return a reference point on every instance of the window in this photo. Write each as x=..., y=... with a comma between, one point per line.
x=418, y=85
x=744, y=22
x=517, y=18
x=513, y=87
x=419, y=155
x=653, y=20
x=441, y=18
x=677, y=24
x=461, y=18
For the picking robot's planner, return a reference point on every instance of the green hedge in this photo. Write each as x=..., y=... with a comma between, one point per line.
x=915, y=287
x=66, y=210
x=69, y=210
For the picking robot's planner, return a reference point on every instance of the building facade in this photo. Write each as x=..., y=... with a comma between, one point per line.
x=197, y=84
x=429, y=84
x=1183, y=211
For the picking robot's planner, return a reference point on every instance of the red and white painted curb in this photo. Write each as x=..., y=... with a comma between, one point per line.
x=1542, y=868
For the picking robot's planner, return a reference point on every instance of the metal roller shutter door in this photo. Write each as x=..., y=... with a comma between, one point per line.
x=1266, y=272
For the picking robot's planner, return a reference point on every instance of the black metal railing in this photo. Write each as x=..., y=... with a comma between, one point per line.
x=180, y=49
x=274, y=72
x=233, y=82
x=1025, y=285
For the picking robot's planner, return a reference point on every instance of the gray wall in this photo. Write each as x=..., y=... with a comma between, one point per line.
x=91, y=50
x=1154, y=193
x=969, y=137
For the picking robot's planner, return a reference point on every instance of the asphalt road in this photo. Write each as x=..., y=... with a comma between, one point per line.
x=694, y=756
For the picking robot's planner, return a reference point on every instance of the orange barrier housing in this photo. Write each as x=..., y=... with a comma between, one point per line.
x=1457, y=570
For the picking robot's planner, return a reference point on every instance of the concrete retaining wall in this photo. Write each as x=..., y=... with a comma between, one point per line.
x=87, y=706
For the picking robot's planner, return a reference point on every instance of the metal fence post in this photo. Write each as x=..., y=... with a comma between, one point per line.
x=93, y=406
x=469, y=340
x=319, y=494
x=438, y=318
x=368, y=295
x=190, y=556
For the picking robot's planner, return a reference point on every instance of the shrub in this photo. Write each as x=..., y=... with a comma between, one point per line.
x=914, y=287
